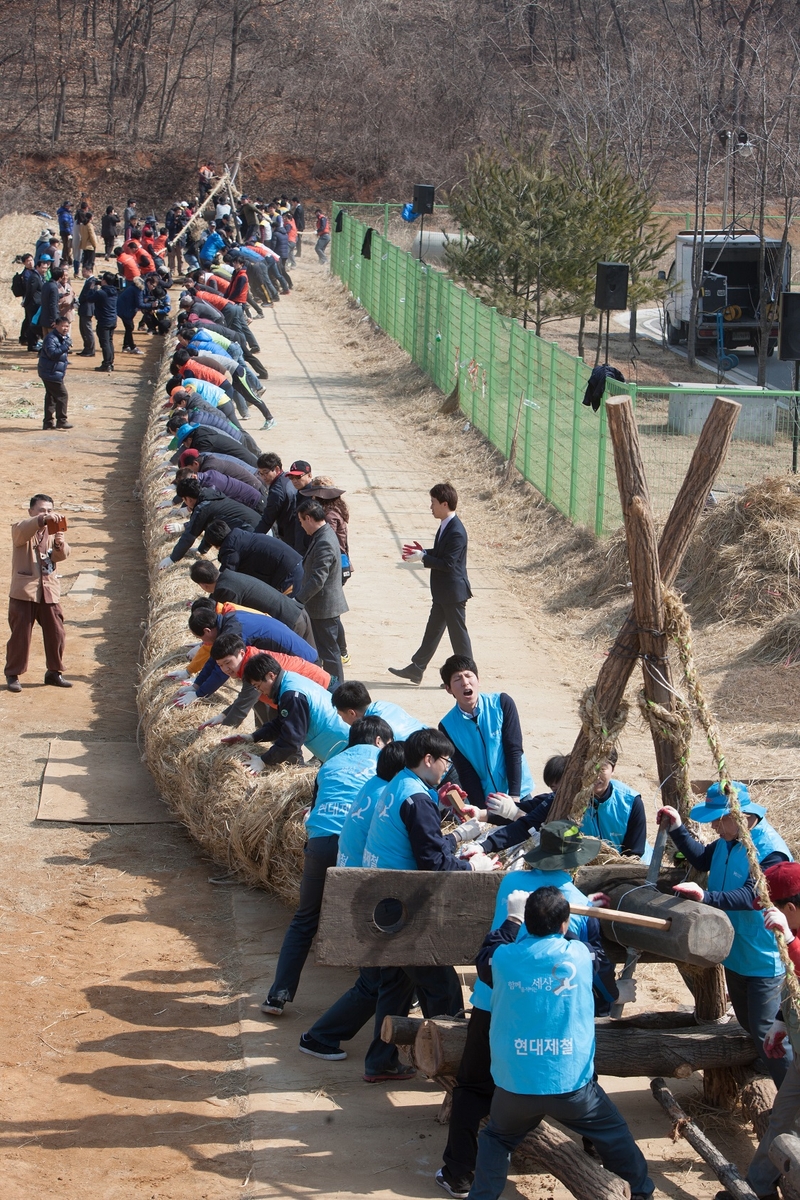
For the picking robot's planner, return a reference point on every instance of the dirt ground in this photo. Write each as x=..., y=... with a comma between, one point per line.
x=135, y=1064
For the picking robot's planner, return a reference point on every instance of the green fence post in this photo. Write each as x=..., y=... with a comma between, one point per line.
x=551, y=425
x=574, y=471
x=513, y=399
x=386, y=220
x=490, y=376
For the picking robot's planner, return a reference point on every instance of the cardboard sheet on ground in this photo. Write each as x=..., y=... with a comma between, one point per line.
x=99, y=783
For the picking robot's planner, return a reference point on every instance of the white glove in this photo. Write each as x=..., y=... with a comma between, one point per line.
x=773, y=1042
x=675, y=821
x=165, y=562
x=482, y=862
x=217, y=720
x=502, y=805
x=192, y=650
x=173, y=527
x=515, y=905
x=179, y=673
x=599, y=900
x=185, y=698
x=253, y=764
x=689, y=891
x=414, y=556
x=776, y=920
x=626, y=991
x=467, y=832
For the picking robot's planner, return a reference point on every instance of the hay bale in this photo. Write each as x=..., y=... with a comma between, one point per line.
x=744, y=561
x=780, y=644
x=252, y=825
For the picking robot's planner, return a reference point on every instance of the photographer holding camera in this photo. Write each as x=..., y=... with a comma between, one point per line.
x=38, y=544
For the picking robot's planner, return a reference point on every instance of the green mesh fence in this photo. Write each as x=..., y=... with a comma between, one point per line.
x=511, y=380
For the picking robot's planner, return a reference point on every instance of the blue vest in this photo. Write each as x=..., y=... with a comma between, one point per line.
x=542, y=1028
x=609, y=820
x=353, y=837
x=327, y=733
x=402, y=723
x=210, y=392
x=339, y=781
x=388, y=844
x=479, y=740
x=754, y=951
x=528, y=881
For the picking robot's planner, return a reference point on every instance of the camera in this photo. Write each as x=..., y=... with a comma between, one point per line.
x=56, y=525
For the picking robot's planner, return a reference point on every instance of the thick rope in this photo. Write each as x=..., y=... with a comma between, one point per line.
x=679, y=631
x=602, y=740
x=674, y=727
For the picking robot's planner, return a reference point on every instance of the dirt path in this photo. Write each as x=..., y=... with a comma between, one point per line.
x=135, y=1062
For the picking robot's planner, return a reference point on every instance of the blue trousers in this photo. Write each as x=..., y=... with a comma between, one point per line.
x=587, y=1112
x=320, y=853
x=756, y=1002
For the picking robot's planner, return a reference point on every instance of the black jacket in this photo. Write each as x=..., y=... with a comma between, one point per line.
x=266, y=558
x=254, y=593
x=447, y=562
x=33, y=290
x=212, y=506
x=49, y=302
x=281, y=509
x=207, y=438
x=86, y=299
x=218, y=462
x=105, y=305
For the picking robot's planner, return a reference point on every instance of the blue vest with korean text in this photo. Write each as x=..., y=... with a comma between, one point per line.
x=528, y=881
x=479, y=738
x=339, y=781
x=754, y=951
x=542, y=1028
x=353, y=837
x=388, y=844
x=402, y=723
x=327, y=733
x=609, y=820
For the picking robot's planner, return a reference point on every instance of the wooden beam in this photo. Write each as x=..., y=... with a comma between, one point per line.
x=621, y=1049
x=708, y=457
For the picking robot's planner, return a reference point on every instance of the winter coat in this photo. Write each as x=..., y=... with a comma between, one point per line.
x=105, y=306
x=321, y=589
x=54, y=357
x=49, y=302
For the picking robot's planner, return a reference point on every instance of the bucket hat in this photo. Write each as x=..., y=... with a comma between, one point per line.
x=561, y=847
x=717, y=804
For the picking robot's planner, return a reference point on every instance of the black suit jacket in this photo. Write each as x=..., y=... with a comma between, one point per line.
x=447, y=562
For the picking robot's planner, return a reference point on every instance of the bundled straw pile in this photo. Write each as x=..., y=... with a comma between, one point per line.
x=780, y=644
x=744, y=562
x=248, y=824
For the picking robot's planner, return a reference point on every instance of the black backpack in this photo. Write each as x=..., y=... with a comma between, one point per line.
x=18, y=285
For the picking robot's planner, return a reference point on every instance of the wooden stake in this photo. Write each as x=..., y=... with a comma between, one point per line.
x=616, y=914
x=725, y=1171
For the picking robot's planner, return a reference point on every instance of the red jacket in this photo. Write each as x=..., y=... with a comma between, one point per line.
x=212, y=298
x=238, y=288
x=289, y=663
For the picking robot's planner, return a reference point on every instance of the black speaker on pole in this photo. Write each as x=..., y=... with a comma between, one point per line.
x=423, y=198
x=789, y=335
x=611, y=286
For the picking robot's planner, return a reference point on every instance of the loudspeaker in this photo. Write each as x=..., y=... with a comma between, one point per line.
x=423, y=198
x=611, y=287
x=714, y=293
x=789, y=335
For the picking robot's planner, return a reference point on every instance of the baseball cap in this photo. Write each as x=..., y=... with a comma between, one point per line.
x=299, y=468
x=783, y=881
x=187, y=457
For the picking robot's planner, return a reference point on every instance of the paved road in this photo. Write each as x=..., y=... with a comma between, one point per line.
x=779, y=374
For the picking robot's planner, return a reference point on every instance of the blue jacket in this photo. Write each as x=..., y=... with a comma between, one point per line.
x=405, y=832
x=105, y=306
x=211, y=247
x=305, y=717
x=542, y=1029
x=529, y=881
x=66, y=221
x=54, y=357
x=129, y=301
x=339, y=782
x=402, y=723
x=490, y=742
x=615, y=818
x=280, y=242
x=353, y=837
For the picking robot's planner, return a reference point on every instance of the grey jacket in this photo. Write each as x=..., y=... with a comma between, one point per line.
x=321, y=588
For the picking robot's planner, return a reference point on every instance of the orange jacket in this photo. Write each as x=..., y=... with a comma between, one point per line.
x=212, y=298
x=201, y=371
x=288, y=662
x=129, y=266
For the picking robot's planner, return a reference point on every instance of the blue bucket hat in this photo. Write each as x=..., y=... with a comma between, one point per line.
x=717, y=804
x=181, y=436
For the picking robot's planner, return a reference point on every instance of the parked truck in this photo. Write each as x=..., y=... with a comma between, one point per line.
x=731, y=285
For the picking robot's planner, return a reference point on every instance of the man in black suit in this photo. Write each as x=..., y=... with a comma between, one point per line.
x=450, y=589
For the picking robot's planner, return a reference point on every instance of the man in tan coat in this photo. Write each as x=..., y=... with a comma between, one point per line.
x=35, y=593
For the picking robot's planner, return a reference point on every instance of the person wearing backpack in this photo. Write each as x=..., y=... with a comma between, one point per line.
x=19, y=286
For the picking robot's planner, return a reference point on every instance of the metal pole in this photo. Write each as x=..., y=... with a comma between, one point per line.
x=421, y=234
x=795, y=417
x=728, y=144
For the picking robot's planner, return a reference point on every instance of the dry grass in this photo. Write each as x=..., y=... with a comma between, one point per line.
x=780, y=644
x=744, y=563
x=248, y=824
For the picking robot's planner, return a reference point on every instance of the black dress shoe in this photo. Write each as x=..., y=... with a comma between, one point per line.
x=56, y=679
x=87, y=354
x=13, y=684
x=412, y=672
x=64, y=425
x=46, y=426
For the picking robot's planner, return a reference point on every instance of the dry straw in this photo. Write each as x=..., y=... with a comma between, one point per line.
x=251, y=825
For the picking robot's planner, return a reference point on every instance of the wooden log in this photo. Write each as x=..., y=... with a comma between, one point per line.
x=627, y=873
x=552, y=1152
x=621, y=1049
x=720, y=1087
x=648, y=602
x=708, y=457
x=757, y=1098
x=725, y=1171
x=401, y=1030
x=698, y=935
x=785, y=1154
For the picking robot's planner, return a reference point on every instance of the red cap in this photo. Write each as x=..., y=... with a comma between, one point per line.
x=299, y=468
x=783, y=881
x=187, y=457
